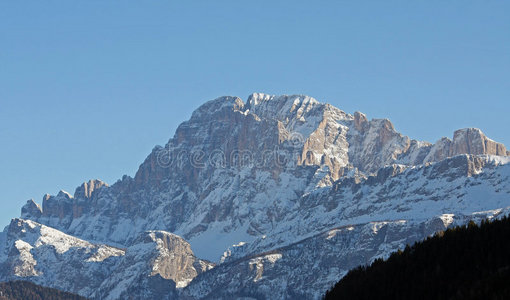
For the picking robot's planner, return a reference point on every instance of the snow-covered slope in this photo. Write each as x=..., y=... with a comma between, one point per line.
x=153, y=267
x=277, y=172
x=46, y=256
x=305, y=270
x=365, y=220
x=463, y=184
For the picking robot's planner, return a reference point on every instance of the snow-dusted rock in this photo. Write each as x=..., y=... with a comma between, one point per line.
x=35, y=252
x=155, y=265
x=305, y=270
x=261, y=185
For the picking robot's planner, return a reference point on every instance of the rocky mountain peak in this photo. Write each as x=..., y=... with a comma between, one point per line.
x=31, y=209
x=88, y=188
x=465, y=141
x=474, y=141
x=360, y=121
x=294, y=184
x=63, y=206
x=219, y=164
x=217, y=107
x=46, y=197
x=285, y=108
x=257, y=98
x=64, y=194
x=261, y=99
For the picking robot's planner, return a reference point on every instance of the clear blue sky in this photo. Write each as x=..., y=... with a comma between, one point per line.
x=87, y=88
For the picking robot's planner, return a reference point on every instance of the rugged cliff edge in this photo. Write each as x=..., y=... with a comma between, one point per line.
x=269, y=189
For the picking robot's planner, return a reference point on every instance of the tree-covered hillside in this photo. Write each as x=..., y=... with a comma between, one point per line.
x=24, y=290
x=468, y=262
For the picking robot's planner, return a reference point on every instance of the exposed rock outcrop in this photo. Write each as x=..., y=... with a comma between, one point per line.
x=31, y=209
x=473, y=141
x=87, y=189
x=266, y=174
x=155, y=265
x=231, y=156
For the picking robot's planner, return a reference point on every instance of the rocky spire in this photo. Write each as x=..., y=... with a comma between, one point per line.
x=88, y=188
x=31, y=210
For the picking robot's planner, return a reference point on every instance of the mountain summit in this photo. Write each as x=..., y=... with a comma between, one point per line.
x=283, y=194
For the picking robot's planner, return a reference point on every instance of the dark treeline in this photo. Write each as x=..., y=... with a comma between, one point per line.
x=24, y=290
x=467, y=262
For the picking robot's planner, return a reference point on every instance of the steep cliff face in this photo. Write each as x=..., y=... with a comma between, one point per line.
x=236, y=169
x=465, y=141
x=154, y=267
x=473, y=141
x=89, y=189
x=31, y=209
x=268, y=174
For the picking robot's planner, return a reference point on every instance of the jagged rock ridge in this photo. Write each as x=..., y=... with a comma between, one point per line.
x=268, y=174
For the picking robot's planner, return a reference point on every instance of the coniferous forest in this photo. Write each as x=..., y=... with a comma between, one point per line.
x=24, y=290
x=467, y=262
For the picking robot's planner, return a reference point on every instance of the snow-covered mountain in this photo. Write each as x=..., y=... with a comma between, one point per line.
x=46, y=256
x=283, y=194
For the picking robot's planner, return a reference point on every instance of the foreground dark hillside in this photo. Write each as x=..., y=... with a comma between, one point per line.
x=23, y=290
x=469, y=262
